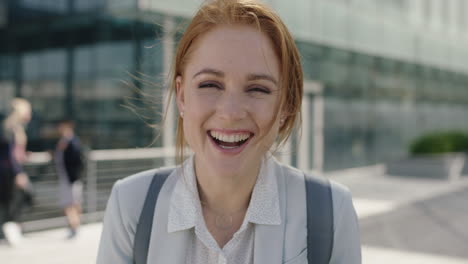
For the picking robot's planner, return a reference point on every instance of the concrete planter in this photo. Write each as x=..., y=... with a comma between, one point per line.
x=444, y=166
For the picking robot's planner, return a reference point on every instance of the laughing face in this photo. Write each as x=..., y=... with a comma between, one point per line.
x=229, y=96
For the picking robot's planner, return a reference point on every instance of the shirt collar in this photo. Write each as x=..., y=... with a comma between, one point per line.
x=185, y=208
x=264, y=204
x=185, y=202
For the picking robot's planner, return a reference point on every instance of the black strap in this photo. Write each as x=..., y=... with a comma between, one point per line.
x=319, y=220
x=145, y=222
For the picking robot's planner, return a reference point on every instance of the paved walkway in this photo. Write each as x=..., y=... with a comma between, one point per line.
x=378, y=198
x=52, y=247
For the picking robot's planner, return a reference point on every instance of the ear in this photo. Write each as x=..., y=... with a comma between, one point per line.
x=179, y=94
x=283, y=115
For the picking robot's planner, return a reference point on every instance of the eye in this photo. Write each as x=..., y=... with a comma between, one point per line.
x=210, y=85
x=259, y=89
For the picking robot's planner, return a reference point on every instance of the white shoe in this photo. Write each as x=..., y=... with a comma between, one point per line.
x=72, y=234
x=12, y=233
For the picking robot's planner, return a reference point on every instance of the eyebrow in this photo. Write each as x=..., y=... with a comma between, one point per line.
x=250, y=77
x=209, y=71
x=254, y=77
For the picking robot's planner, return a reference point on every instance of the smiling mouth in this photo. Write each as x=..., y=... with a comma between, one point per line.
x=230, y=141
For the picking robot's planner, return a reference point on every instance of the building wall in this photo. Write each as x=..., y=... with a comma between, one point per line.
x=391, y=70
x=432, y=32
x=375, y=106
x=91, y=67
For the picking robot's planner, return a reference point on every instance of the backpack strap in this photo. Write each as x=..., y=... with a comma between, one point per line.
x=145, y=222
x=319, y=220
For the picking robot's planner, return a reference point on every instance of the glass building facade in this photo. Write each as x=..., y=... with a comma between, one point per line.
x=74, y=59
x=390, y=70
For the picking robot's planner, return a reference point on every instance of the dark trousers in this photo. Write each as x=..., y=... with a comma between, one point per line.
x=11, y=210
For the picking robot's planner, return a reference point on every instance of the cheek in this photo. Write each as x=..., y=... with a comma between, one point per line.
x=196, y=112
x=265, y=114
x=198, y=103
x=265, y=120
x=270, y=134
x=268, y=124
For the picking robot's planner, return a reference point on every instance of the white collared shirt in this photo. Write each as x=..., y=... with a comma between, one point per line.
x=185, y=213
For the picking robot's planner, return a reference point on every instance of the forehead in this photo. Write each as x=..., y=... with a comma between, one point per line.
x=238, y=50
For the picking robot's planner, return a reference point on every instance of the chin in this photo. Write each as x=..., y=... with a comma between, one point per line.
x=234, y=165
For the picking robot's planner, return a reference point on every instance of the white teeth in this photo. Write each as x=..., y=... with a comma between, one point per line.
x=227, y=147
x=224, y=138
x=231, y=138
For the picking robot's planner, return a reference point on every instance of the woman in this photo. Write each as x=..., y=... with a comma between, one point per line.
x=14, y=182
x=237, y=80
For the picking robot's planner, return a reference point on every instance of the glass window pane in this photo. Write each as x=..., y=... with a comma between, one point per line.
x=7, y=66
x=83, y=61
x=114, y=58
x=47, y=96
x=88, y=5
x=31, y=65
x=7, y=89
x=53, y=63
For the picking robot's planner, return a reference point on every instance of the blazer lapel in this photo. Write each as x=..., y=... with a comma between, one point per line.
x=170, y=248
x=268, y=245
x=167, y=247
x=269, y=239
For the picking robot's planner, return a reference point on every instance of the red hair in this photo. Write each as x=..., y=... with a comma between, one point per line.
x=250, y=13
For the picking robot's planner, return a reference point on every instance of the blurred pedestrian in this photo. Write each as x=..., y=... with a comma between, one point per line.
x=69, y=165
x=238, y=84
x=15, y=187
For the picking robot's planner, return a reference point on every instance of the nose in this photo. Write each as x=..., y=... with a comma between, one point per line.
x=232, y=107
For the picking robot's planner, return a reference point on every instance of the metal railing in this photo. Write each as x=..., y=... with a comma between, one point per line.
x=103, y=169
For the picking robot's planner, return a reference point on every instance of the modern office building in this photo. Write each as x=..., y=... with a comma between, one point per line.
x=378, y=72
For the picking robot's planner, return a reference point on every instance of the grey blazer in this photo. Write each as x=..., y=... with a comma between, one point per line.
x=274, y=244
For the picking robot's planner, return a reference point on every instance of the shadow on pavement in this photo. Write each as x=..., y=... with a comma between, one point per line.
x=438, y=225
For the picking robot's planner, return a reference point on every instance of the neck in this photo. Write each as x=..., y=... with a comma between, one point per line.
x=223, y=193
